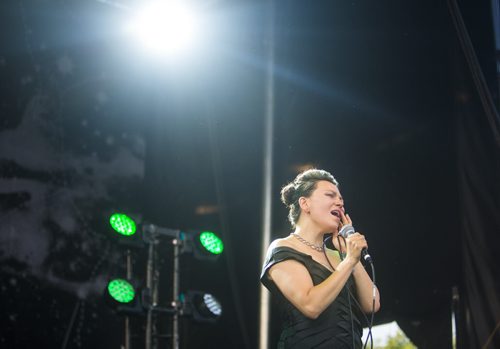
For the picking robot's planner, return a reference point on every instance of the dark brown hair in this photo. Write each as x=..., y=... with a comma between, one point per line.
x=303, y=185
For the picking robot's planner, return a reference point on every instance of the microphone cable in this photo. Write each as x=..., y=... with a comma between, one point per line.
x=368, y=322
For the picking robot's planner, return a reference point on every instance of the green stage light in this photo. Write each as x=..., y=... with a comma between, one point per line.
x=211, y=242
x=122, y=224
x=121, y=290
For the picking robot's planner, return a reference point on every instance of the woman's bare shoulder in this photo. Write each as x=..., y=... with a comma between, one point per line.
x=289, y=266
x=283, y=242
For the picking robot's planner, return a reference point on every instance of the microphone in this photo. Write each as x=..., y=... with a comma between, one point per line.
x=347, y=230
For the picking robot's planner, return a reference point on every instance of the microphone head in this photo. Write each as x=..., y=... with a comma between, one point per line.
x=347, y=230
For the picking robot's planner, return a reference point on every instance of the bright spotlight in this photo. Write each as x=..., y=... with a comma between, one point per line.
x=166, y=27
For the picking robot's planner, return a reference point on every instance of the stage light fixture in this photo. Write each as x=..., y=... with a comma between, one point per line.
x=204, y=245
x=124, y=230
x=211, y=242
x=210, y=306
x=122, y=224
x=124, y=297
x=121, y=291
x=202, y=306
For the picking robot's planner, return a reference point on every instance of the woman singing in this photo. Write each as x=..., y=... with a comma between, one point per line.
x=321, y=291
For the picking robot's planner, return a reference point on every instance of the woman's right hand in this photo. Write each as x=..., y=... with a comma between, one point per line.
x=355, y=243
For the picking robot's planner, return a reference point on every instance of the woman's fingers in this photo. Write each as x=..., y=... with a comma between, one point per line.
x=355, y=243
x=348, y=219
x=345, y=218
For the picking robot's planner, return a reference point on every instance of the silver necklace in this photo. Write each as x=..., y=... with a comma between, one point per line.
x=310, y=244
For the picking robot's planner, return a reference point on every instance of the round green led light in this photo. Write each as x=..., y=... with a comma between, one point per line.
x=121, y=290
x=122, y=224
x=211, y=242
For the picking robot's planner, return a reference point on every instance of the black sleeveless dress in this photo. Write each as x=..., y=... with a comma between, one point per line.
x=333, y=329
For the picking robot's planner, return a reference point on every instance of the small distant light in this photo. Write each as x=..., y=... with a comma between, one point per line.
x=206, y=209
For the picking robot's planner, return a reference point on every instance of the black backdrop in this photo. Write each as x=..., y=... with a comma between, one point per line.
x=378, y=93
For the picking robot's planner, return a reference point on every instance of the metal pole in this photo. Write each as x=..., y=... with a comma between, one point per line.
x=268, y=173
x=154, y=295
x=455, y=301
x=127, y=318
x=149, y=286
x=175, y=289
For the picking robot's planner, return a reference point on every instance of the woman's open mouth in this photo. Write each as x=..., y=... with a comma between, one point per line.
x=336, y=213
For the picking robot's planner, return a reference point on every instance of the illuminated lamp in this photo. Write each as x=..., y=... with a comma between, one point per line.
x=204, y=245
x=202, y=306
x=123, y=296
x=164, y=27
x=211, y=242
x=125, y=230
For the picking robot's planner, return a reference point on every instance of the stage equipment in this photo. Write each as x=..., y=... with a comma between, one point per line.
x=204, y=245
x=121, y=291
x=122, y=224
x=124, y=296
x=123, y=229
x=203, y=307
x=211, y=242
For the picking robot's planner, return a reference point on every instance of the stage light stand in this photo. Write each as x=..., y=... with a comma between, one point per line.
x=149, y=302
x=151, y=236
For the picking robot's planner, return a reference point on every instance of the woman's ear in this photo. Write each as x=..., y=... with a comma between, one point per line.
x=304, y=204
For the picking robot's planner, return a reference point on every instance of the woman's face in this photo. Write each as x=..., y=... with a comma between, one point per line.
x=325, y=206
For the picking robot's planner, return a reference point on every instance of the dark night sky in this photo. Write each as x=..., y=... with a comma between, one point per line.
x=89, y=125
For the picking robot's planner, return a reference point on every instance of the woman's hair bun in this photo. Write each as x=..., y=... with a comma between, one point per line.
x=288, y=194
